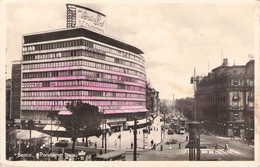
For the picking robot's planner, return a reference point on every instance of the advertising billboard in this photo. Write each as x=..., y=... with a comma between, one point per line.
x=78, y=16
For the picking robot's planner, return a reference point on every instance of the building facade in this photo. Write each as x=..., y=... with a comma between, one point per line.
x=15, y=91
x=225, y=100
x=60, y=66
x=8, y=84
x=152, y=100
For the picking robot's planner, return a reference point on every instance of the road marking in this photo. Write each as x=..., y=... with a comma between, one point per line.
x=230, y=151
x=212, y=151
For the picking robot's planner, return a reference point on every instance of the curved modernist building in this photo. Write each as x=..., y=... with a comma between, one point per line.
x=77, y=64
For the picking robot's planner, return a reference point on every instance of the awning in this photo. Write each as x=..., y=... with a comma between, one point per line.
x=130, y=123
x=61, y=129
x=109, y=112
x=25, y=134
x=142, y=121
x=65, y=113
x=103, y=126
x=135, y=110
x=124, y=111
x=139, y=122
x=54, y=128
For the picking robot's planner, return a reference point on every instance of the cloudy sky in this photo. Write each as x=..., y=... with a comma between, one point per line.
x=175, y=37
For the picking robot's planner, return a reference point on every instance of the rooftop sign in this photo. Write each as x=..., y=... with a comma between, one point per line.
x=78, y=16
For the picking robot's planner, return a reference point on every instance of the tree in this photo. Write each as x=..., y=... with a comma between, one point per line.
x=164, y=110
x=186, y=106
x=163, y=107
x=84, y=118
x=30, y=125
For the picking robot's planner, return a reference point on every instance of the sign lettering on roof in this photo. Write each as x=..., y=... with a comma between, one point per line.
x=78, y=16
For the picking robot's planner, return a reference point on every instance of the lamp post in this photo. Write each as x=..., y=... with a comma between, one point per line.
x=105, y=136
x=135, y=138
x=103, y=131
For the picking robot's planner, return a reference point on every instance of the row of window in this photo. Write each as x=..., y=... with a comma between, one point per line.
x=96, y=103
x=82, y=53
x=210, y=100
x=81, y=83
x=82, y=63
x=224, y=83
x=82, y=93
x=81, y=42
x=81, y=73
x=117, y=52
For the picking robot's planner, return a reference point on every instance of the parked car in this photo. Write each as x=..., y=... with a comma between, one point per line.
x=62, y=143
x=172, y=141
x=170, y=132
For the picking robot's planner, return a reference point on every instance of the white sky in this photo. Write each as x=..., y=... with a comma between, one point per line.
x=175, y=37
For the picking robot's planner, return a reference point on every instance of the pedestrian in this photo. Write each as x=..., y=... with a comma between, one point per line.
x=101, y=152
x=57, y=138
x=82, y=140
x=132, y=145
x=95, y=144
x=151, y=142
x=37, y=156
x=179, y=145
x=63, y=156
x=187, y=138
x=226, y=147
x=154, y=146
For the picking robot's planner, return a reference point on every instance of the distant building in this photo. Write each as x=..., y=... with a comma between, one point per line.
x=8, y=98
x=16, y=91
x=152, y=100
x=225, y=100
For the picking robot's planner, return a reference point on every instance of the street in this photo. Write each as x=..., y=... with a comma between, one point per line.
x=238, y=150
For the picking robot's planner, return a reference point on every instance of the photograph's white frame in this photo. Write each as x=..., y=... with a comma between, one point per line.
x=256, y=162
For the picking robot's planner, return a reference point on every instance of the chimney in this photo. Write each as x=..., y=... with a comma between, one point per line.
x=225, y=62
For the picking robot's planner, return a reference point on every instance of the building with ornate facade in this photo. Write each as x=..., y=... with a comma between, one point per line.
x=63, y=65
x=225, y=100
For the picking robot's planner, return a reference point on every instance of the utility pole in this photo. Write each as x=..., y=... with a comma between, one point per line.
x=103, y=130
x=135, y=139
x=195, y=80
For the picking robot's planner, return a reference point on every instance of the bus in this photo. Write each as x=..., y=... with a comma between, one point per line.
x=111, y=156
x=180, y=129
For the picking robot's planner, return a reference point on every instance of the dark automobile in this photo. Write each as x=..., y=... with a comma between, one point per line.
x=172, y=141
x=170, y=132
x=62, y=143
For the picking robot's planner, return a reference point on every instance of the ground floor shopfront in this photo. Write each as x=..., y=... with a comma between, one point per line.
x=229, y=129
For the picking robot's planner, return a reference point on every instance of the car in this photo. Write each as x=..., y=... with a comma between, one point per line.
x=172, y=141
x=170, y=132
x=62, y=143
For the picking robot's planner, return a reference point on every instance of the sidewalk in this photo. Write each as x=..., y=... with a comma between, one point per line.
x=114, y=142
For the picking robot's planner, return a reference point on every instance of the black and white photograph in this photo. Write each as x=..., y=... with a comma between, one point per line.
x=161, y=82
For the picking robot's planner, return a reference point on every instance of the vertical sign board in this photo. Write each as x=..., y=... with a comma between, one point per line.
x=78, y=16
